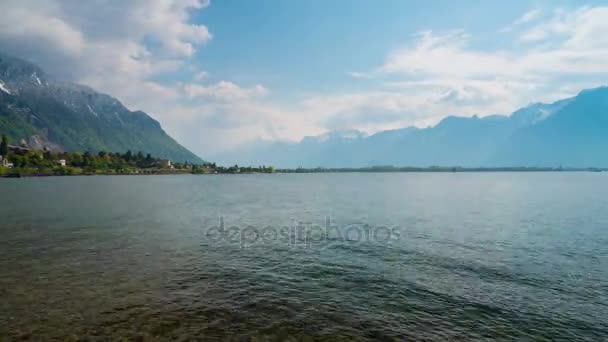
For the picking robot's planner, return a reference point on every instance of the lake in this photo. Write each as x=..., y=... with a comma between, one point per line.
x=364, y=256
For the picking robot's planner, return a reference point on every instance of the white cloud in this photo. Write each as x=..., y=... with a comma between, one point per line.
x=585, y=28
x=201, y=75
x=224, y=91
x=359, y=75
x=72, y=27
x=111, y=45
x=528, y=17
x=446, y=55
x=570, y=53
x=523, y=20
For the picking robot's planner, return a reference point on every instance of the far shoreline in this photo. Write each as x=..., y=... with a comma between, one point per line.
x=325, y=170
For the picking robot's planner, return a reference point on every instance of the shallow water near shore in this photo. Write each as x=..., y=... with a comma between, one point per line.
x=364, y=256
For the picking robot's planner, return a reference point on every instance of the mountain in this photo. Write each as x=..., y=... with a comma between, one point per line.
x=46, y=112
x=574, y=135
x=571, y=132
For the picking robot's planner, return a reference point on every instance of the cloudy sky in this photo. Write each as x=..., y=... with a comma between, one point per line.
x=224, y=73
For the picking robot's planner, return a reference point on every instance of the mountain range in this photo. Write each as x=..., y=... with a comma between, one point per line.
x=48, y=113
x=572, y=132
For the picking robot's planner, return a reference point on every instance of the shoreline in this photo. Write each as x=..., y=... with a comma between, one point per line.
x=317, y=171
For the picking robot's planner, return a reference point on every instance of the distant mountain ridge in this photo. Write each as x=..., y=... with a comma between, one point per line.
x=572, y=132
x=65, y=116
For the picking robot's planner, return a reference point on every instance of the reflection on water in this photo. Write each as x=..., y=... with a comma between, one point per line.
x=471, y=256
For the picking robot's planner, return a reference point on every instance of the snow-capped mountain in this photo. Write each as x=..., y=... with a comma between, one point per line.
x=65, y=116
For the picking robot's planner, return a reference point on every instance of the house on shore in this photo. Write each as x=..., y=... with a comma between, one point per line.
x=5, y=163
x=165, y=164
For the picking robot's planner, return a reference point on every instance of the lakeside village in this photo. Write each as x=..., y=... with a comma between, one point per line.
x=20, y=160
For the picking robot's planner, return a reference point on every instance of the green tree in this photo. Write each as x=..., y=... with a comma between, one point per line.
x=76, y=159
x=128, y=156
x=19, y=161
x=86, y=159
x=4, y=146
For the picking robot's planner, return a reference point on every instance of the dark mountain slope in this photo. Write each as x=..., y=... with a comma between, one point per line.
x=66, y=116
x=574, y=135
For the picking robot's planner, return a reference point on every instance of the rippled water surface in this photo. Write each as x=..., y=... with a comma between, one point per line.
x=420, y=256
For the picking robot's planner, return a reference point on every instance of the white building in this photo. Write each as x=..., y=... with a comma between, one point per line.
x=5, y=163
x=165, y=163
x=61, y=162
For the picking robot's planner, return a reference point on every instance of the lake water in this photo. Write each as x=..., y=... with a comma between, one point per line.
x=423, y=256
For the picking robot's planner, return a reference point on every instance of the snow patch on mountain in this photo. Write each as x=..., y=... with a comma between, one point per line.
x=35, y=78
x=92, y=111
x=118, y=117
x=3, y=88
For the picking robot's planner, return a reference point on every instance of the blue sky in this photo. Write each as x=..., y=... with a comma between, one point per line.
x=225, y=73
x=309, y=46
x=312, y=45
